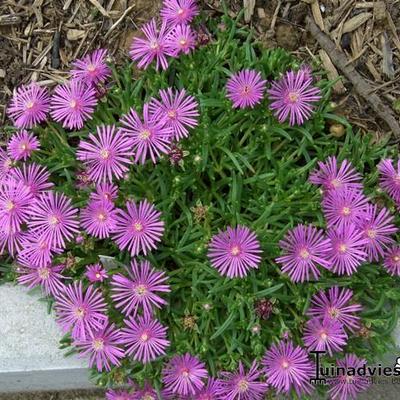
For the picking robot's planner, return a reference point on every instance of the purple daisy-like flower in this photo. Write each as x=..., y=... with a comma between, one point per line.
x=181, y=39
x=391, y=261
x=105, y=192
x=345, y=386
x=22, y=144
x=389, y=178
x=36, y=250
x=152, y=137
x=304, y=248
x=242, y=385
x=139, y=229
x=245, y=88
x=335, y=304
x=92, y=69
x=293, y=97
x=235, y=251
x=178, y=110
x=99, y=218
x=209, y=391
x=29, y=106
x=344, y=207
x=145, y=338
x=334, y=178
x=377, y=227
x=184, y=374
x=324, y=335
x=79, y=310
x=96, y=273
x=106, y=154
x=10, y=238
x=347, y=249
x=118, y=395
x=153, y=47
x=147, y=393
x=35, y=178
x=176, y=12
x=288, y=367
x=73, y=103
x=102, y=346
x=53, y=217
x=15, y=203
x=6, y=165
x=139, y=289
x=48, y=277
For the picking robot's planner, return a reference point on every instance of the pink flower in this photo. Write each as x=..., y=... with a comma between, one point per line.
x=177, y=109
x=153, y=47
x=181, y=39
x=152, y=137
x=139, y=289
x=105, y=192
x=293, y=97
x=389, y=179
x=245, y=88
x=145, y=338
x=10, y=238
x=22, y=144
x=96, y=273
x=179, y=11
x=92, y=69
x=235, y=251
x=29, y=106
x=6, y=164
x=138, y=229
x=391, y=261
x=106, y=154
x=72, y=104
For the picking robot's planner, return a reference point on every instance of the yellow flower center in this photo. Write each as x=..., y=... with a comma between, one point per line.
x=53, y=220
x=171, y=114
x=91, y=68
x=145, y=134
x=342, y=248
x=235, y=250
x=335, y=183
x=304, y=254
x=285, y=364
x=148, y=397
x=182, y=42
x=346, y=211
x=140, y=290
x=138, y=227
x=80, y=312
x=104, y=154
x=98, y=344
x=10, y=205
x=144, y=337
x=333, y=313
x=293, y=97
x=243, y=385
x=371, y=233
x=30, y=104
x=43, y=273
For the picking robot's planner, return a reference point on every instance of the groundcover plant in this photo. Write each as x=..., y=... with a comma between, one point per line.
x=192, y=222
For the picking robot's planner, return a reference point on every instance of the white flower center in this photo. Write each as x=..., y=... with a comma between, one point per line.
x=104, y=154
x=73, y=103
x=10, y=205
x=140, y=290
x=43, y=273
x=79, y=312
x=293, y=97
x=235, y=250
x=342, y=248
x=243, y=385
x=137, y=226
x=91, y=68
x=30, y=104
x=98, y=344
x=145, y=134
x=304, y=254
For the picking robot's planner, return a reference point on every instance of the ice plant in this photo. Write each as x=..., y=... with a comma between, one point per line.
x=337, y=305
x=347, y=386
x=347, y=249
x=139, y=228
x=179, y=11
x=22, y=144
x=154, y=46
x=72, y=104
x=99, y=218
x=118, y=395
x=184, y=374
x=344, y=207
x=293, y=97
x=304, y=248
x=53, y=217
x=178, y=109
x=11, y=239
x=324, y=334
x=29, y=106
x=391, y=262
x=7, y=165
x=105, y=192
x=103, y=347
x=80, y=311
x=15, y=203
x=92, y=69
x=389, y=178
x=235, y=251
x=139, y=288
x=181, y=39
x=106, y=155
x=378, y=228
x=288, y=367
x=241, y=384
x=147, y=393
x=333, y=177
x=245, y=88
x=48, y=277
x=145, y=339
x=150, y=138
x=96, y=273
x=34, y=177
x=209, y=391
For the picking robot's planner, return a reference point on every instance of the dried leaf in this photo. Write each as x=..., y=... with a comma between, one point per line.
x=355, y=22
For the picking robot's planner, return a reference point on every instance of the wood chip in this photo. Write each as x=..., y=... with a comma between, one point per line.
x=392, y=26
x=387, y=61
x=380, y=10
x=261, y=13
x=2, y=73
x=102, y=10
x=316, y=12
x=332, y=73
x=9, y=19
x=374, y=72
x=355, y=22
x=75, y=34
x=248, y=6
x=126, y=12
